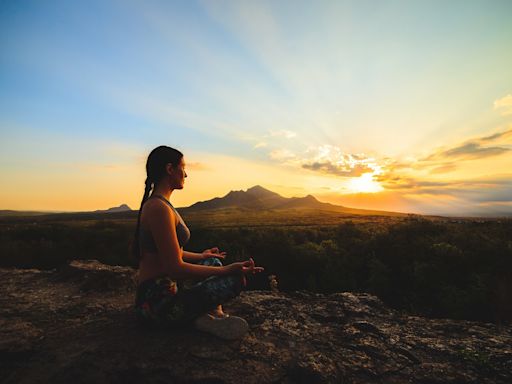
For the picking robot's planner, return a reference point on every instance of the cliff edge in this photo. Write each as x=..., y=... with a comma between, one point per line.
x=76, y=325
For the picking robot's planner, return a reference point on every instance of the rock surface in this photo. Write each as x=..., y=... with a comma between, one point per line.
x=76, y=325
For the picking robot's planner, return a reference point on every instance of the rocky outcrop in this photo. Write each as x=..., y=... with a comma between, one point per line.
x=76, y=325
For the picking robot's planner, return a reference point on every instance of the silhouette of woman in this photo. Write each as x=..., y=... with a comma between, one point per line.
x=163, y=299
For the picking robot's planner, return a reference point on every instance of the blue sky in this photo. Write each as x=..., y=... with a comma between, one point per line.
x=306, y=95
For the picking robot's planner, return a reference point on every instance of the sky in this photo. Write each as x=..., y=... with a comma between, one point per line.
x=394, y=105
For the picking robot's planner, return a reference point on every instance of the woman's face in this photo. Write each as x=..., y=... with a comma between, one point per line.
x=178, y=175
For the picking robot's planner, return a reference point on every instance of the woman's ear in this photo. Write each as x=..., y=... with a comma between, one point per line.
x=169, y=168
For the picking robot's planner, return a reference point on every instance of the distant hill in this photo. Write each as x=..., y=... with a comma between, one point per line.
x=259, y=198
x=121, y=211
x=12, y=213
x=121, y=208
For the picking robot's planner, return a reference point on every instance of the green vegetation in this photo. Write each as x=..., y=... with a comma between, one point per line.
x=441, y=268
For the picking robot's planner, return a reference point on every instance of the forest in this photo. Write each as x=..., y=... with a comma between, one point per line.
x=459, y=269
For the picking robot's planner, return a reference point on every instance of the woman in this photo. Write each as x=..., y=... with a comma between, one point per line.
x=162, y=299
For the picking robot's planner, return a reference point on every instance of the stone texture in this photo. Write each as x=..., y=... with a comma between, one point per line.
x=76, y=325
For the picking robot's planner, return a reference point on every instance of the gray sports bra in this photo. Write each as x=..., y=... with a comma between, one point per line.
x=146, y=241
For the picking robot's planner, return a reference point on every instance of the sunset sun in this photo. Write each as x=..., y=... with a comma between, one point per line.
x=364, y=183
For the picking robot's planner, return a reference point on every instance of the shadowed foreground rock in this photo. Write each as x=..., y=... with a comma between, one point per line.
x=76, y=325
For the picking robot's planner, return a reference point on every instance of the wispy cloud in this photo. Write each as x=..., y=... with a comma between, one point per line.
x=477, y=148
x=282, y=154
x=260, y=144
x=339, y=168
x=197, y=166
x=505, y=135
x=504, y=105
x=284, y=133
x=470, y=150
x=443, y=168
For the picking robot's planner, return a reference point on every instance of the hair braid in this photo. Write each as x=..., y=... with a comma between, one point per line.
x=135, y=244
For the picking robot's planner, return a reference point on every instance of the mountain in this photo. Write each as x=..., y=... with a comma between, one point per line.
x=256, y=197
x=121, y=208
x=259, y=198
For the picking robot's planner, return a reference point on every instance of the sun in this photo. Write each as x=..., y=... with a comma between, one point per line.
x=364, y=183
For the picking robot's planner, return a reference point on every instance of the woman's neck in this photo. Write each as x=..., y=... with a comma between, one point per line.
x=164, y=192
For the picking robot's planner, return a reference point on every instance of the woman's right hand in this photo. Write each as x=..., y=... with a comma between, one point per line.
x=244, y=267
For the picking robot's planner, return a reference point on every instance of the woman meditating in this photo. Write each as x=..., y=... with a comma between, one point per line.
x=163, y=298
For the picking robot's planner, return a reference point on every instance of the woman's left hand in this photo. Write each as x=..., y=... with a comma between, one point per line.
x=213, y=252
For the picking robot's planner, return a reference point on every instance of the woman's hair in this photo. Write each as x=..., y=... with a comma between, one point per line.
x=155, y=170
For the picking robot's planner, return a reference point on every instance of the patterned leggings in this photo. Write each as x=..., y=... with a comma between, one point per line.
x=162, y=302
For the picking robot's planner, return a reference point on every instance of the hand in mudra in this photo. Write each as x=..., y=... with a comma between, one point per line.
x=213, y=252
x=245, y=267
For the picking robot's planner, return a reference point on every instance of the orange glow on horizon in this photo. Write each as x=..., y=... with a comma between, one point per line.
x=365, y=184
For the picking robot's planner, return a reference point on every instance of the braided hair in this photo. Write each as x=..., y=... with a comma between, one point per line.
x=155, y=170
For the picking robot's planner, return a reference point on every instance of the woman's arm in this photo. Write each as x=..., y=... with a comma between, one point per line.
x=211, y=252
x=162, y=223
x=192, y=256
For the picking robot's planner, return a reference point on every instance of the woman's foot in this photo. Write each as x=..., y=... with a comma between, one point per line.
x=229, y=327
x=218, y=312
x=219, y=315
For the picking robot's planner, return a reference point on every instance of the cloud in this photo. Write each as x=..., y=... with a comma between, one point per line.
x=282, y=154
x=473, y=150
x=329, y=159
x=339, y=169
x=260, y=144
x=283, y=133
x=505, y=135
x=504, y=105
x=484, y=196
x=477, y=148
x=197, y=166
x=422, y=185
x=409, y=183
x=444, y=168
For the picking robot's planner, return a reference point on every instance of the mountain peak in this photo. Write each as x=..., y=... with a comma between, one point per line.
x=121, y=208
x=257, y=188
x=259, y=191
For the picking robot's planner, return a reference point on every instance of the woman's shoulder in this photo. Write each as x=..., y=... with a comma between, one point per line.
x=157, y=209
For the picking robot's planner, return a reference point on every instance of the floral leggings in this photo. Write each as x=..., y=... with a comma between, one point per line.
x=163, y=302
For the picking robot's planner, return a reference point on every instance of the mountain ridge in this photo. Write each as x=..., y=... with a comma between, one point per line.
x=260, y=198
x=120, y=208
x=256, y=198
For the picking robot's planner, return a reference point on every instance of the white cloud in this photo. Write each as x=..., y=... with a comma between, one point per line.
x=504, y=105
x=329, y=159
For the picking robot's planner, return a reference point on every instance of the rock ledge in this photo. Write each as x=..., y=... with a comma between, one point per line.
x=76, y=325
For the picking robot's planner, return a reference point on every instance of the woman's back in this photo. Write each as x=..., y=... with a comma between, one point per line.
x=150, y=264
